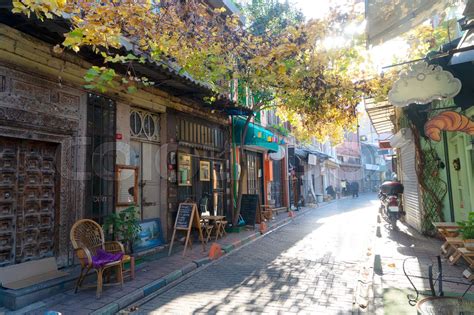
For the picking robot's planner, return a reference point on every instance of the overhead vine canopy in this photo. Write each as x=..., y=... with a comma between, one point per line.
x=314, y=87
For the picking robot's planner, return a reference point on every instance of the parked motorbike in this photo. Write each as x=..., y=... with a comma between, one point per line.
x=391, y=201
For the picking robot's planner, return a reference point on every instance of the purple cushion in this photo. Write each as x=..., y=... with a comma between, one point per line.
x=102, y=258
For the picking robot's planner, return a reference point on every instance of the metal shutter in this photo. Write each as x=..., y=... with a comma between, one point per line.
x=411, y=196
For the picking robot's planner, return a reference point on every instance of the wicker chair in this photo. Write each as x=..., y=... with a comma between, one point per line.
x=87, y=237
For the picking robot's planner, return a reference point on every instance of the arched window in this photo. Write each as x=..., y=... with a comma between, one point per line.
x=144, y=125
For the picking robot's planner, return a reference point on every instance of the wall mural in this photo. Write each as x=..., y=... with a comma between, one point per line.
x=422, y=84
x=448, y=121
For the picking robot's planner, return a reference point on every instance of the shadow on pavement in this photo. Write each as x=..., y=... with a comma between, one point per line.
x=293, y=270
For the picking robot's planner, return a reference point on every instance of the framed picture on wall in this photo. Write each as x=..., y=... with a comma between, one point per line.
x=204, y=171
x=184, y=170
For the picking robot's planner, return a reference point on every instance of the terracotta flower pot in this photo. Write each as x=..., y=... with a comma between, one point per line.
x=469, y=244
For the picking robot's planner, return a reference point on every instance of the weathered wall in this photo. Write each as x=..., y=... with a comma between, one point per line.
x=42, y=97
x=35, y=108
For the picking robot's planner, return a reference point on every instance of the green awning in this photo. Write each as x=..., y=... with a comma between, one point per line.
x=256, y=135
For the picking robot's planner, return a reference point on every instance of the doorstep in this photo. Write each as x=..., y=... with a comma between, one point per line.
x=156, y=272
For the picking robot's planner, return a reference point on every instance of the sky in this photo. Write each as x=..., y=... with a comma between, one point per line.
x=312, y=8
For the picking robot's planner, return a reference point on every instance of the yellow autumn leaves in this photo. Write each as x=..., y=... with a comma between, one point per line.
x=310, y=86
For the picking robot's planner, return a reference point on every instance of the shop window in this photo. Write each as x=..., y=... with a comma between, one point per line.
x=144, y=125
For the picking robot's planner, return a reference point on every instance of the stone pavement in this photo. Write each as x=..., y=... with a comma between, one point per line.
x=391, y=286
x=156, y=272
x=309, y=266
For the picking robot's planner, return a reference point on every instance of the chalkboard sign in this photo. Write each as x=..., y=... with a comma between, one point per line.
x=248, y=208
x=187, y=218
x=183, y=217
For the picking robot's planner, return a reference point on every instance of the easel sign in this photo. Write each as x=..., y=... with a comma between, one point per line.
x=187, y=218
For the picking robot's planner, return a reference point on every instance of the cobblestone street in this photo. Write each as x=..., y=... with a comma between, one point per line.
x=309, y=266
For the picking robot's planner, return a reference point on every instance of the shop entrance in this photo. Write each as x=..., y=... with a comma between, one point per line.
x=460, y=183
x=28, y=200
x=277, y=183
x=255, y=174
x=147, y=157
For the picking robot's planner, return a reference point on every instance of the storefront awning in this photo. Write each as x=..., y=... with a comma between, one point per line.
x=303, y=152
x=257, y=136
x=381, y=115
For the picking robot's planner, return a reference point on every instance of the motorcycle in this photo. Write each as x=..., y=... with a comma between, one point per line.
x=391, y=202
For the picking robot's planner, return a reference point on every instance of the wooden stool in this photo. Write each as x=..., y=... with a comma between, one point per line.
x=131, y=271
x=453, y=244
x=218, y=229
x=206, y=229
x=224, y=223
x=467, y=255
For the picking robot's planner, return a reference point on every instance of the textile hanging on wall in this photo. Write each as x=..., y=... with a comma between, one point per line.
x=448, y=121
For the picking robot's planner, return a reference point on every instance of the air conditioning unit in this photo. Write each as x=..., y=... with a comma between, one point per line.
x=401, y=138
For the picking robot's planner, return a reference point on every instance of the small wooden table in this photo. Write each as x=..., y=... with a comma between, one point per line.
x=219, y=223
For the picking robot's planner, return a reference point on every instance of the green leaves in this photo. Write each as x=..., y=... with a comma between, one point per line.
x=74, y=39
x=467, y=227
x=100, y=78
x=124, y=225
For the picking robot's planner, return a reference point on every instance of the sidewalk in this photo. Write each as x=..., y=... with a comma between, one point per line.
x=391, y=286
x=155, y=272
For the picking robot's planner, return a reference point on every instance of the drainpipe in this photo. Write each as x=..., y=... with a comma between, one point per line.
x=448, y=176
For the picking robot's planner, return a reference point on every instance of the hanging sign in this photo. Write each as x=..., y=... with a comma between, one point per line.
x=422, y=84
x=448, y=121
x=187, y=218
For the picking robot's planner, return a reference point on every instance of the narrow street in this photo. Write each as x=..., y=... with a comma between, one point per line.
x=309, y=266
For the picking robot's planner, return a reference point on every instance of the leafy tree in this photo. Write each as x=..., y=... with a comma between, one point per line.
x=270, y=16
x=279, y=57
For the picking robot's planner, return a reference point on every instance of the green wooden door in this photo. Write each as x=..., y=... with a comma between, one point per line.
x=461, y=175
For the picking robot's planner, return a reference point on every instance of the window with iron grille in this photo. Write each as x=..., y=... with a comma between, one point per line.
x=144, y=125
x=100, y=162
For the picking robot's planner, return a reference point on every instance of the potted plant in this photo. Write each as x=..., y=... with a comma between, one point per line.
x=467, y=231
x=123, y=226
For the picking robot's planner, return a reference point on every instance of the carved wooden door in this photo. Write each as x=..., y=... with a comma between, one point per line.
x=27, y=200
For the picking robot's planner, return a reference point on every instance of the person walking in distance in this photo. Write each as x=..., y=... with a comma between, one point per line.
x=344, y=187
x=355, y=189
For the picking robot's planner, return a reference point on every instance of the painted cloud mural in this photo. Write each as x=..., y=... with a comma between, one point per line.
x=422, y=84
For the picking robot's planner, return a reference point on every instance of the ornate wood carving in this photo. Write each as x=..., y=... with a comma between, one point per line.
x=42, y=121
x=33, y=109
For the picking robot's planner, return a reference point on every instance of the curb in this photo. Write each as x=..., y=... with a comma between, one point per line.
x=188, y=270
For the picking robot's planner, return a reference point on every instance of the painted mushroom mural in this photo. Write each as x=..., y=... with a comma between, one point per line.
x=448, y=121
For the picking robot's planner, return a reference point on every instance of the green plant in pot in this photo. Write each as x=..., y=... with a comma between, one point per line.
x=123, y=226
x=467, y=231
